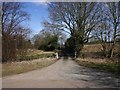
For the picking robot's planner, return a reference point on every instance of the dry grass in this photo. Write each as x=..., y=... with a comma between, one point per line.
x=97, y=61
x=34, y=52
x=96, y=51
x=92, y=48
x=31, y=63
x=98, y=48
x=12, y=68
x=102, y=64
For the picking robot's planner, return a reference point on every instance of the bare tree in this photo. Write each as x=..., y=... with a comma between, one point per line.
x=108, y=30
x=102, y=31
x=54, y=29
x=12, y=17
x=78, y=18
x=114, y=17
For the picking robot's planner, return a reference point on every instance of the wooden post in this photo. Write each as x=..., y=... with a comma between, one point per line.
x=56, y=55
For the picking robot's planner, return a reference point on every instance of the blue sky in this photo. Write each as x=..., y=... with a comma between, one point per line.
x=38, y=13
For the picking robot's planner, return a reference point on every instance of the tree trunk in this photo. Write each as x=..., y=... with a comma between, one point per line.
x=114, y=42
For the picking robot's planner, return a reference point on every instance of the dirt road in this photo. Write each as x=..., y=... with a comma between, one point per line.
x=62, y=74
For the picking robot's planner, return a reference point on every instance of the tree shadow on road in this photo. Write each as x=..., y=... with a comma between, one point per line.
x=97, y=76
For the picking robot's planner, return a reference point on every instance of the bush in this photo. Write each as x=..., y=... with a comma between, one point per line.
x=70, y=45
x=47, y=43
x=74, y=44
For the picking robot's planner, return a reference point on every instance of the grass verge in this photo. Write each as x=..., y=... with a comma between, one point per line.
x=13, y=68
x=100, y=64
x=36, y=56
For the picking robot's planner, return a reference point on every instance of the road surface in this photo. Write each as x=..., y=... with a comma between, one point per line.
x=62, y=74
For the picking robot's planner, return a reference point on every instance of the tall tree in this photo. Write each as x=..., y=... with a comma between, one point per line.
x=102, y=31
x=77, y=17
x=114, y=17
x=11, y=19
x=108, y=30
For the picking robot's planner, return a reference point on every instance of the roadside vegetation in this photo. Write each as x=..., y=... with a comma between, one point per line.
x=33, y=60
x=35, y=54
x=93, y=57
x=12, y=68
x=72, y=25
x=101, y=64
x=95, y=50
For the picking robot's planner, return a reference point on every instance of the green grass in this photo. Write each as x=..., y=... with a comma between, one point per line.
x=106, y=66
x=24, y=66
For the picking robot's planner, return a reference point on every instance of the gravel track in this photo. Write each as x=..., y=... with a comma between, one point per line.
x=65, y=73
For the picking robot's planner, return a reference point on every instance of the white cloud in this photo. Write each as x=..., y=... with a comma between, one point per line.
x=40, y=3
x=39, y=0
